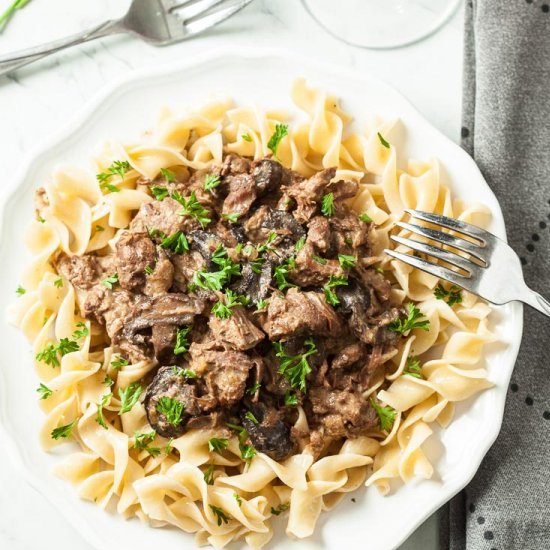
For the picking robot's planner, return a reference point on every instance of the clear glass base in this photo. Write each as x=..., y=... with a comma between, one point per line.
x=381, y=23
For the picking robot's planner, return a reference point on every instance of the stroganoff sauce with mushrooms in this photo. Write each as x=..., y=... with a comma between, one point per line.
x=255, y=290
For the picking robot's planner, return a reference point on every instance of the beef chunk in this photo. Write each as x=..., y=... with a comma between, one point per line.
x=301, y=313
x=234, y=164
x=343, y=189
x=319, y=233
x=350, y=231
x=242, y=193
x=82, y=271
x=160, y=281
x=223, y=372
x=185, y=266
x=238, y=331
x=163, y=338
x=267, y=174
x=266, y=220
x=163, y=216
x=340, y=413
x=310, y=272
x=308, y=193
x=270, y=435
x=133, y=253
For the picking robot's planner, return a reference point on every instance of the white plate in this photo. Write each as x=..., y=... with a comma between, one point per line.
x=126, y=109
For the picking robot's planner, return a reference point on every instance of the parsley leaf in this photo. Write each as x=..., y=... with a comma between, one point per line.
x=365, y=217
x=217, y=444
x=385, y=414
x=182, y=343
x=105, y=400
x=117, y=168
x=171, y=409
x=346, y=262
x=20, y=291
x=233, y=217
x=330, y=295
x=318, y=259
x=295, y=368
x=383, y=141
x=327, y=206
x=223, y=310
x=192, y=207
x=280, y=509
x=452, y=296
x=129, y=396
x=216, y=280
x=211, y=181
x=177, y=242
x=281, y=130
x=209, y=475
x=117, y=364
x=261, y=304
x=44, y=391
x=246, y=137
x=413, y=367
x=220, y=514
x=159, y=192
x=281, y=272
x=58, y=283
x=290, y=399
x=168, y=175
x=82, y=332
x=63, y=431
x=238, y=498
x=142, y=440
x=99, y=228
x=254, y=388
x=50, y=353
x=250, y=416
x=412, y=321
x=247, y=451
x=149, y=269
x=186, y=373
x=108, y=381
x=299, y=244
x=109, y=282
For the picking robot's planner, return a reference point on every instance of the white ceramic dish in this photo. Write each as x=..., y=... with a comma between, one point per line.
x=124, y=110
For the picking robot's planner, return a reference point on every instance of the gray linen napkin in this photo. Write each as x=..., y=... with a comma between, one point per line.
x=506, y=128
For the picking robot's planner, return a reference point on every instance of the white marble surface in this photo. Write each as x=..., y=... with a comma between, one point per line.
x=37, y=100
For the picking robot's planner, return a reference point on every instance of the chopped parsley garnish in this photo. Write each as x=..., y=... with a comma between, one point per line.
x=44, y=391
x=280, y=509
x=327, y=205
x=267, y=245
x=171, y=409
x=217, y=444
x=50, y=354
x=330, y=295
x=58, y=283
x=281, y=272
x=149, y=269
x=250, y=416
x=378, y=269
x=319, y=260
x=40, y=219
x=238, y=498
x=295, y=368
x=452, y=296
x=182, y=342
x=117, y=364
x=346, y=261
x=281, y=130
x=168, y=175
x=20, y=291
x=261, y=304
x=385, y=414
x=211, y=181
x=413, y=320
x=383, y=141
x=247, y=451
x=299, y=244
x=220, y=514
x=81, y=332
x=290, y=399
x=168, y=448
x=365, y=217
x=209, y=475
x=233, y=217
x=142, y=440
x=254, y=388
x=216, y=280
x=105, y=400
x=257, y=265
x=108, y=381
x=129, y=396
x=223, y=310
x=117, y=168
x=99, y=228
x=186, y=373
x=192, y=207
x=176, y=242
x=413, y=367
x=159, y=192
x=63, y=431
x=246, y=137
x=109, y=282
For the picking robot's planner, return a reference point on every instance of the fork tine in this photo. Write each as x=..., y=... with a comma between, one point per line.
x=440, y=254
x=450, y=223
x=428, y=267
x=214, y=18
x=185, y=11
x=445, y=238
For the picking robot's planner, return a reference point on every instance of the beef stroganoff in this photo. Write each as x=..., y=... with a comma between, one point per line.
x=215, y=325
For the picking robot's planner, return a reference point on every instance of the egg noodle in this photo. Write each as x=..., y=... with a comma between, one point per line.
x=164, y=482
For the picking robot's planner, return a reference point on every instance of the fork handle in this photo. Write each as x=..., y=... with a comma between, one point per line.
x=535, y=300
x=18, y=59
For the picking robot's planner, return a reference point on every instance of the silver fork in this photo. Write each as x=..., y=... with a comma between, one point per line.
x=491, y=269
x=159, y=22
